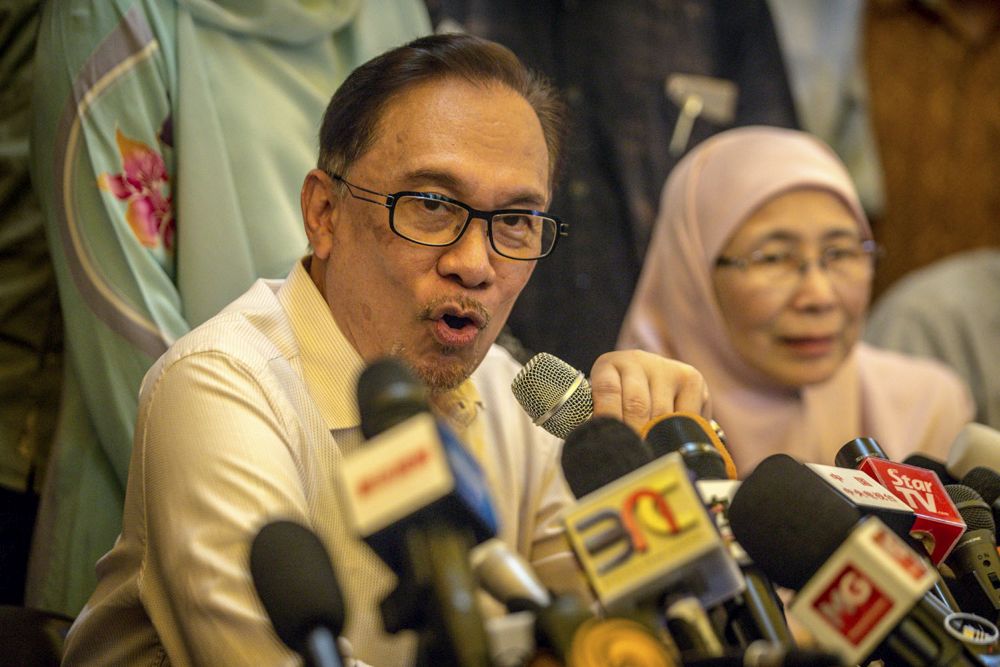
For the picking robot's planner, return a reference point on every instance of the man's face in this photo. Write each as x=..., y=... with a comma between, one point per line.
x=438, y=308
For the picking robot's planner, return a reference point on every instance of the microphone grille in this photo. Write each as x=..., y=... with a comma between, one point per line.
x=971, y=506
x=543, y=388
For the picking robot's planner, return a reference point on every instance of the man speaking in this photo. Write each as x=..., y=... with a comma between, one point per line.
x=426, y=216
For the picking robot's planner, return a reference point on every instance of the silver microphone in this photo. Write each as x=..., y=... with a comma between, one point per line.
x=554, y=394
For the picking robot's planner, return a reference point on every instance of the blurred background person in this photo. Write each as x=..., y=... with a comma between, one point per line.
x=759, y=275
x=908, y=94
x=30, y=325
x=160, y=209
x=645, y=82
x=949, y=310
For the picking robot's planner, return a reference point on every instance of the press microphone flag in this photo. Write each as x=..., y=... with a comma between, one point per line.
x=936, y=515
x=649, y=532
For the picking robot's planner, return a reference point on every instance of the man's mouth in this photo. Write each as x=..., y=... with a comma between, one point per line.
x=457, y=324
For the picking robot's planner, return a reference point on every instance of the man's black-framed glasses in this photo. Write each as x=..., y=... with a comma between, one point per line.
x=431, y=219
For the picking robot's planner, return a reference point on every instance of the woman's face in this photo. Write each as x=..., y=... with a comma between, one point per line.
x=794, y=300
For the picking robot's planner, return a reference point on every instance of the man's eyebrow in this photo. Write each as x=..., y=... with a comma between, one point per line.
x=434, y=177
x=526, y=198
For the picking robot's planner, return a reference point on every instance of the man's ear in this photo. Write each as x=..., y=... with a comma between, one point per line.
x=319, y=208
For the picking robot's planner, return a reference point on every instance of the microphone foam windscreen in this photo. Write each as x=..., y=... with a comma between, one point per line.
x=971, y=506
x=984, y=481
x=388, y=393
x=294, y=579
x=554, y=394
x=789, y=520
x=935, y=466
x=600, y=451
x=975, y=445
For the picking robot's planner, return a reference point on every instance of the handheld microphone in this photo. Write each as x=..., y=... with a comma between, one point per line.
x=555, y=395
x=975, y=445
x=937, y=519
x=292, y=574
x=419, y=500
x=974, y=560
x=756, y=613
x=861, y=591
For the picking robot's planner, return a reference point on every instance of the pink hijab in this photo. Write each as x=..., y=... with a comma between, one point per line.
x=905, y=404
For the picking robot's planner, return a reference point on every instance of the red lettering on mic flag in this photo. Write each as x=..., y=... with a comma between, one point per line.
x=852, y=604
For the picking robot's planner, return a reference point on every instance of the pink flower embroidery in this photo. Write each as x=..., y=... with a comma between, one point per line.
x=143, y=183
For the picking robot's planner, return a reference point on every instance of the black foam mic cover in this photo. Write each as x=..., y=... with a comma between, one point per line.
x=389, y=393
x=599, y=451
x=294, y=579
x=769, y=518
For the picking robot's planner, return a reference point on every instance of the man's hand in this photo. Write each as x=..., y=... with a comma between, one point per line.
x=636, y=387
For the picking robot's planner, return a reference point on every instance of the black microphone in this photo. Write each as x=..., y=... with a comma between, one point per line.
x=974, y=560
x=927, y=463
x=295, y=581
x=643, y=535
x=600, y=451
x=419, y=499
x=861, y=591
x=986, y=482
x=756, y=613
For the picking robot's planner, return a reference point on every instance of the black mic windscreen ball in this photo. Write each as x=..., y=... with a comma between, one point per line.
x=927, y=463
x=389, y=393
x=554, y=394
x=599, y=452
x=294, y=578
x=985, y=482
x=789, y=520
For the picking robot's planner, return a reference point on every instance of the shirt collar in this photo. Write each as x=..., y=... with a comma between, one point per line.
x=330, y=364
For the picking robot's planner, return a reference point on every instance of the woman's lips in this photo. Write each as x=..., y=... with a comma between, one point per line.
x=809, y=346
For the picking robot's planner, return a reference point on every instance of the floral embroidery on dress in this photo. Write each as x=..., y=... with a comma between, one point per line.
x=144, y=184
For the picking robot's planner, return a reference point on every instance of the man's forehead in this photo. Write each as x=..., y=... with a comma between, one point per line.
x=446, y=132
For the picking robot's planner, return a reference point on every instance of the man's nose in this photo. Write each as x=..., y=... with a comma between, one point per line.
x=470, y=259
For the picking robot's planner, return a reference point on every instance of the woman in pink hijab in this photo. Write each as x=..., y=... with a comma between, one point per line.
x=759, y=274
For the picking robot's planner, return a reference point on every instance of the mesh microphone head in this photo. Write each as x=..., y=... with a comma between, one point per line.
x=984, y=481
x=554, y=394
x=294, y=579
x=971, y=506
